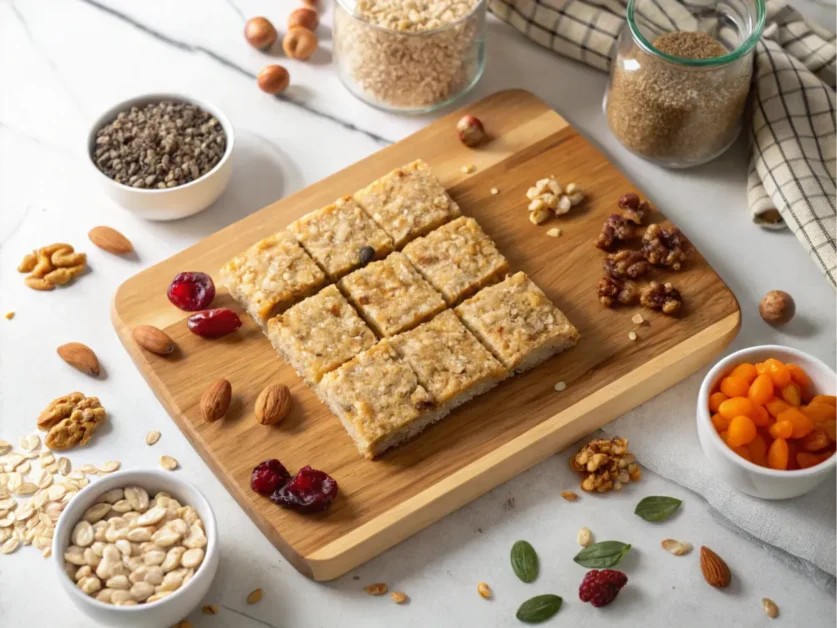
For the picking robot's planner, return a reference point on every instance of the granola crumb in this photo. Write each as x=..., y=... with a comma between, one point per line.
x=569, y=496
x=9, y=316
x=632, y=335
x=554, y=232
x=469, y=169
x=637, y=319
x=398, y=597
x=494, y=191
x=560, y=386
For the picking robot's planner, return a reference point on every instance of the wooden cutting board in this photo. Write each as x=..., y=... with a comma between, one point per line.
x=490, y=439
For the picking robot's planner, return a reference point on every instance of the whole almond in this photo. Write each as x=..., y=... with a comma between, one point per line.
x=273, y=404
x=153, y=339
x=216, y=400
x=81, y=357
x=715, y=570
x=110, y=240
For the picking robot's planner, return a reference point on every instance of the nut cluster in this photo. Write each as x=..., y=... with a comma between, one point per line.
x=130, y=549
x=661, y=296
x=71, y=420
x=161, y=145
x=548, y=197
x=606, y=465
x=53, y=265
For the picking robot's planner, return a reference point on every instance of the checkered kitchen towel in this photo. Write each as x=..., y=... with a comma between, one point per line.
x=792, y=168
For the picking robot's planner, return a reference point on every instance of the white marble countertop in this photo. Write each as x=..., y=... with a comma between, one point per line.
x=65, y=62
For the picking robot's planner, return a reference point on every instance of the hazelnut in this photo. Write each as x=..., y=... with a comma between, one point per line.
x=273, y=79
x=260, y=33
x=777, y=307
x=470, y=130
x=304, y=17
x=299, y=43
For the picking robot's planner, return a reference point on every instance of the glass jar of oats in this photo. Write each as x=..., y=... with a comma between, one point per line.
x=680, y=78
x=409, y=56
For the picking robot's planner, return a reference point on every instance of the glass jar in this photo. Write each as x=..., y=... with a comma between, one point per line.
x=409, y=56
x=679, y=80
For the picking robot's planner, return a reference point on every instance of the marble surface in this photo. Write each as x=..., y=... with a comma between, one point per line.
x=63, y=62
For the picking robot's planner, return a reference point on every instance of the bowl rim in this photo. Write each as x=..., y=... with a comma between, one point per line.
x=705, y=416
x=115, y=480
x=143, y=99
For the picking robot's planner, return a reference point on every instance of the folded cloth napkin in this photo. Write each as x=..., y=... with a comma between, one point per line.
x=792, y=130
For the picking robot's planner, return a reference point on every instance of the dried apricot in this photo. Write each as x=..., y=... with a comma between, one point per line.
x=830, y=429
x=778, y=372
x=715, y=400
x=737, y=406
x=777, y=454
x=792, y=394
x=761, y=390
x=802, y=425
x=745, y=371
x=819, y=412
x=720, y=422
x=776, y=406
x=741, y=431
x=805, y=459
x=734, y=387
x=761, y=368
x=781, y=429
x=799, y=376
x=758, y=451
x=817, y=440
x=743, y=452
x=829, y=400
x=793, y=449
x=760, y=416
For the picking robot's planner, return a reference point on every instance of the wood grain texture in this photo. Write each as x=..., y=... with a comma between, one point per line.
x=493, y=437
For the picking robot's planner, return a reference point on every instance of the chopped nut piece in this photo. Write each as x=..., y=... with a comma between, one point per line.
x=633, y=209
x=469, y=169
x=398, y=597
x=665, y=247
x=637, y=319
x=494, y=191
x=615, y=229
x=540, y=215
x=209, y=609
x=554, y=232
x=379, y=588
x=663, y=297
x=626, y=265
x=569, y=496
x=770, y=608
x=484, y=590
x=632, y=335
x=678, y=548
x=612, y=291
x=585, y=537
x=560, y=386
x=606, y=465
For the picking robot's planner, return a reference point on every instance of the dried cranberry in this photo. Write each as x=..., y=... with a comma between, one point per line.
x=309, y=491
x=267, y=476
x=191, y=291
x=214, y=323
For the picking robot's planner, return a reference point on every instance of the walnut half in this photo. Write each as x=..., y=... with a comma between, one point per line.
x=71, y=420
x=663, y=297
x=612, y=291
x=665, y=246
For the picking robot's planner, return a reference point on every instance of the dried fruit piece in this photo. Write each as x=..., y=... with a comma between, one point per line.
x=379, y=588
x=715, y=570
x=484, y=590
x=213, y=323
x=80, y=357
x=110, y=240
x=299, y=43
x=215, y=400
x=254, y=596
x=470, y=130
x=310, y=491
x=273, y=404
x=777, y=307
x=770, y=608
x=260, y=33
x=678, y=548
x=191, y=291
x=273, y=79
x=600, y=588
x=153, y=339
x=268, y=476
x=304, y=17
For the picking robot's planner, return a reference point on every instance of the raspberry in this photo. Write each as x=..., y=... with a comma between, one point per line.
x=191, y=291
x=269, y=476
x=601, y=587
x=309, y=491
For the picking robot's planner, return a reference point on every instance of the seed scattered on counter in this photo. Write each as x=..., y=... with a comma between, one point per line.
x=494, y=191
x=484, y=590
x=379, y=588
x=300, y=43
x=560, y=386
x=678, y=548
x=273, y=79
x=770, y=608
x=585, y=537
x=398, y=597
x=160, y=145
x=470, y=131
x=9, y=316
x=777, y=308
x=254, y=596
x=260, y=33
x=65, y=467
x=554, y=232
x=152, y=437
x=168, y=463
x=569, y=496
x=469, y=169
x=209, y=609
x=632, y=335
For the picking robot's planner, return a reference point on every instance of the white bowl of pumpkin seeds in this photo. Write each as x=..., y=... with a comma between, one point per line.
x=162, y=156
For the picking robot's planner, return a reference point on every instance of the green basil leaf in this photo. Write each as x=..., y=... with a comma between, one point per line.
x=539, y=608
x=524, y=561
x=602, y=555
x=657, y=508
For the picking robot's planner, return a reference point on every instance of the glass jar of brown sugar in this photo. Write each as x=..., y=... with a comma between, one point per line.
x=680, y=78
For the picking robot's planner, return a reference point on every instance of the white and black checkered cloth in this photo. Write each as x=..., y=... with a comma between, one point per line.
x=792, y=126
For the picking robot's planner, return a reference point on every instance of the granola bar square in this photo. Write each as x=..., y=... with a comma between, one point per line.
x=518, y=323
x=448, y=360
x=336, y=234
x=457, y=259
x=391, y=295
x=319, y=334
x=379, y=399
x=408, y=202
x=272, y=275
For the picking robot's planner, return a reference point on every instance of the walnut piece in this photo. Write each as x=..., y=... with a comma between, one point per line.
x=71, y=420
x=53, y=265
x=665, y=246
x=664, y=297
x=612, y=291
x=606, y=465
x=626, y=265
x=615, y=229
x=634, y=209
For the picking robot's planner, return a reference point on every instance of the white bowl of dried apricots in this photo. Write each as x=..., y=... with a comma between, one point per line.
x=766, y=421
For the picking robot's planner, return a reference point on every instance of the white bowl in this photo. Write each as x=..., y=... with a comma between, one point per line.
x=171, y=203
x=744, y=475
x=171, y=609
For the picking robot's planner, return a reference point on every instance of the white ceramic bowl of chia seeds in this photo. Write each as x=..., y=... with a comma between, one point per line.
x=169, y=174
